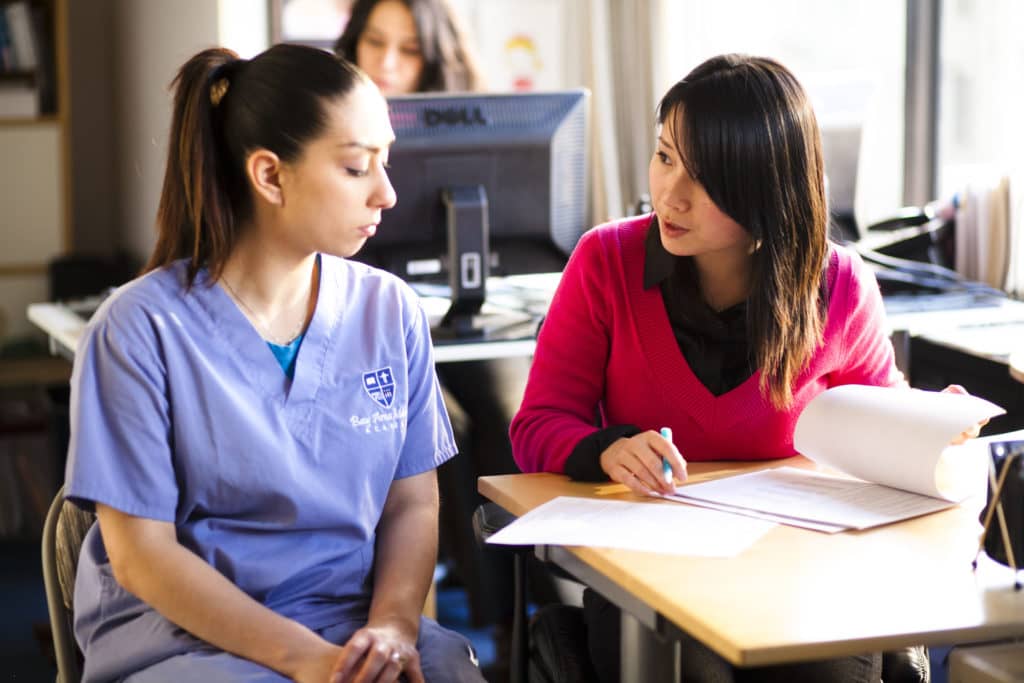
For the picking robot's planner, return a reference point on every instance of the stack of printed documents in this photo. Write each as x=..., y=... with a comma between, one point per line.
x=892, y=442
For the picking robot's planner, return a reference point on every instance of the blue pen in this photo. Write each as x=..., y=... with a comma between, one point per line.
x=666, y=467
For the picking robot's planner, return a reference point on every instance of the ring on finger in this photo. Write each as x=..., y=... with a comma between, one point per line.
x=398, y=659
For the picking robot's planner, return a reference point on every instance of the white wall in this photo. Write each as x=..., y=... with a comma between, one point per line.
x=16, y=293
x=153, y=38
x=123, y=55
x=244, y=26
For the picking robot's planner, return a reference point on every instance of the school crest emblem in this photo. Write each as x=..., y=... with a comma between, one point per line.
x=380, y=386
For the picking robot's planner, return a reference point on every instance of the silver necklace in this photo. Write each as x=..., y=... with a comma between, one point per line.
x=257, y=320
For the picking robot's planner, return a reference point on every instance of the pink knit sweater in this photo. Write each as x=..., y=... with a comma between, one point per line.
x=606, y=341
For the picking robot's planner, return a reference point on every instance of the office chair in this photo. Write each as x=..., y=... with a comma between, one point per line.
x=550, y=647
x=63, y=532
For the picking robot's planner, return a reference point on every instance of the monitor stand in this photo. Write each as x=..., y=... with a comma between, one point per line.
x=468, y=262
x=468, y=268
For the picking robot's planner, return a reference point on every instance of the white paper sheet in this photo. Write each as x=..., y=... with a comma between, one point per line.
x=739, y=510
x=809, y=499
x=652, y=527
x=893, y=440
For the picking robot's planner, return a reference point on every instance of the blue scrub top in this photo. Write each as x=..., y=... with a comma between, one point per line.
x=180, y=413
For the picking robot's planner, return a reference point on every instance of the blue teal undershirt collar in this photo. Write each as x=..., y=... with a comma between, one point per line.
x=287, y=354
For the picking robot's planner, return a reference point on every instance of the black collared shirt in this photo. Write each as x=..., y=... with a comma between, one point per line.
x=714, y=344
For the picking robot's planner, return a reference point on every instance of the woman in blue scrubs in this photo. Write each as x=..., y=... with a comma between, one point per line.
x=256, y=420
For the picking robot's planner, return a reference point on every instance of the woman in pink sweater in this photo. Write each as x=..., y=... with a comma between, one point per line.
x=720, y=315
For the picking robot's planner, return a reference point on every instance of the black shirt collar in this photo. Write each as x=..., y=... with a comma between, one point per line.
x=677, y=278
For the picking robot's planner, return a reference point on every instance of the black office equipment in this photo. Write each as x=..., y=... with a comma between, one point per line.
x=1003, y=517
x=911, y=251
x=77, y=276
x=487, y=184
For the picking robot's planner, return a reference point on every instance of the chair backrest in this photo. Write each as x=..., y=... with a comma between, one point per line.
x=63, y=533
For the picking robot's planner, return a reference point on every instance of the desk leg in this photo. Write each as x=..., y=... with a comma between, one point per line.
x=645, y=655
x=901, y=350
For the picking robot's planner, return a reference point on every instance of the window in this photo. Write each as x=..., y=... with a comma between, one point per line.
x=980, y=96
x=310, y=22
x=849, y=55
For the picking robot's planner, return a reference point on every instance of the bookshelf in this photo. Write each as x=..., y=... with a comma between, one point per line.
x=35, y=186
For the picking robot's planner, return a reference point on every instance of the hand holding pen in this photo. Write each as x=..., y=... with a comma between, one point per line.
x=646, y=463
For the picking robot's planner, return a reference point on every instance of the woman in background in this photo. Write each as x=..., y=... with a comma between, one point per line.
x=256, y=420
x=409, y=46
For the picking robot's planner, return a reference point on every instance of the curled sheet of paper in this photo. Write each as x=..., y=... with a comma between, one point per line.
x=894, y=443
x=896, y=436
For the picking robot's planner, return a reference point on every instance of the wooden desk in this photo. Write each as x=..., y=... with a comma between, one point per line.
x=796, y=594
x=62, y=326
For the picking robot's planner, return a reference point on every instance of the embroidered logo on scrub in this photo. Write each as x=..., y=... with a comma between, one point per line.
x=380, y=386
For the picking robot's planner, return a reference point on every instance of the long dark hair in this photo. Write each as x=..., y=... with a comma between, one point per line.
x=448, y=61
x=225, y=108
x=746, y=131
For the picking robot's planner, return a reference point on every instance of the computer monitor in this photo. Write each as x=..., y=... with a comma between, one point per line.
x=487, y=184
x=840, y=145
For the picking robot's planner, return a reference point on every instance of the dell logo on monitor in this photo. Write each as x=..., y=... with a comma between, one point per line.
x=454, y=116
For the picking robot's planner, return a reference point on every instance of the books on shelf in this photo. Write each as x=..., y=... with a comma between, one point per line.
x=891, y=450
x=22, y=34
x=6, y=49
x=27, y=61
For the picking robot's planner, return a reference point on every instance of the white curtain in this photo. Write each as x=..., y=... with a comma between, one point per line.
x=984, y=235
x=615, y=41
x=1015, y=259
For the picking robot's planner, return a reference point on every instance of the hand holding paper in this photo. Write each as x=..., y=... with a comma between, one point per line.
x=975, y=430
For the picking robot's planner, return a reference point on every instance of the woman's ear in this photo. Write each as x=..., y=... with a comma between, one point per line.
x=263, y=168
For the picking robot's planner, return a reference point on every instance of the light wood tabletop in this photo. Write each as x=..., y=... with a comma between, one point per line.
x=798, y=594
